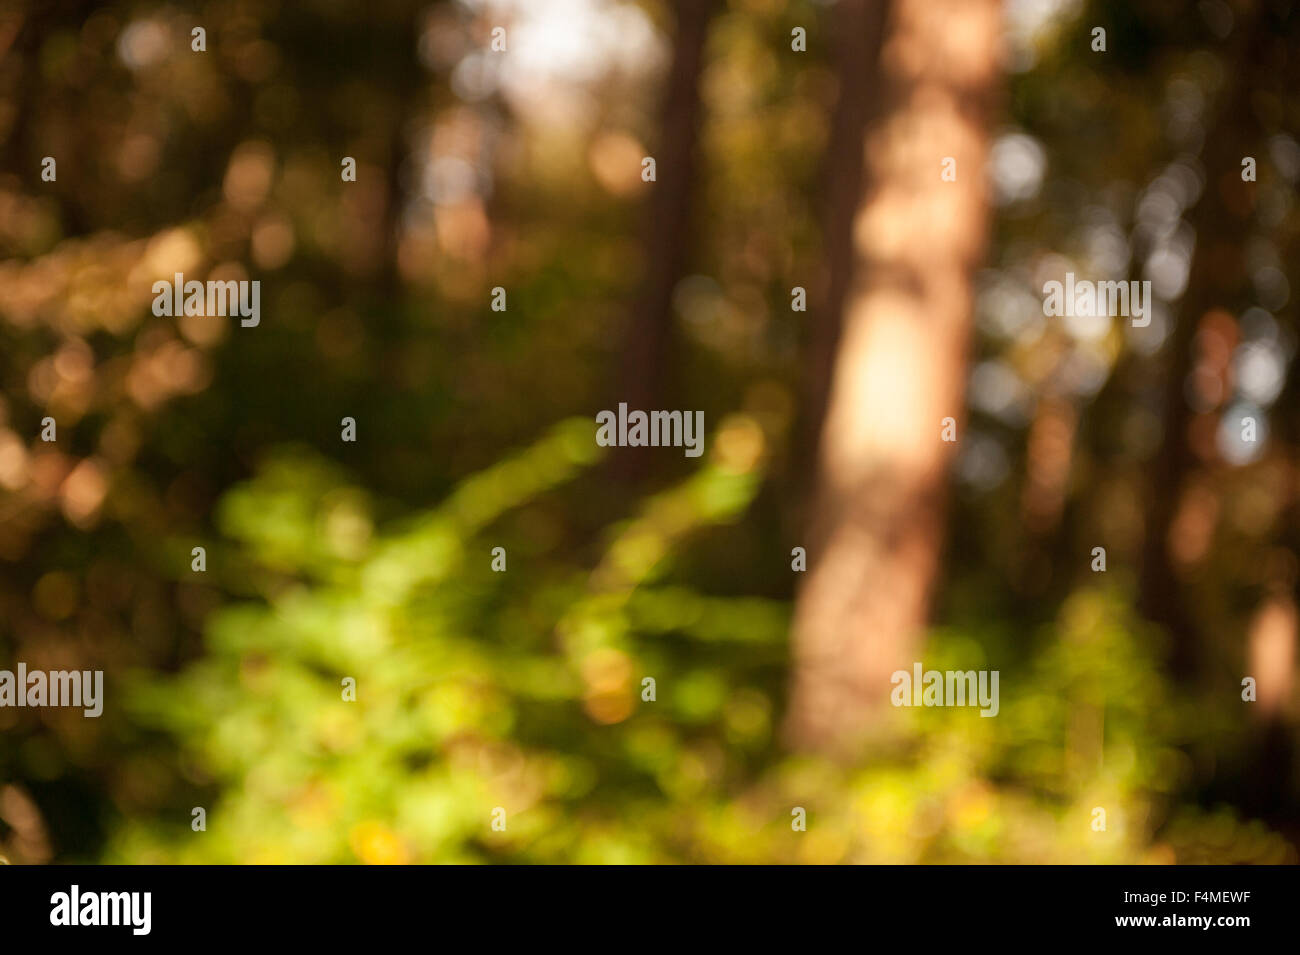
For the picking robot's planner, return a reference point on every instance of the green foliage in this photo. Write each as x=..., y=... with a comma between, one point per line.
x=469, y=695
x=524, y=690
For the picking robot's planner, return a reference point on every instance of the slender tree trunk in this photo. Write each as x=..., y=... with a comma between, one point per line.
x=877, y=517
x=644, y=361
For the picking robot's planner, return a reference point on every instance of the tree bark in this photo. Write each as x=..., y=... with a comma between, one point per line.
x=877, y=517
x=858, y=27
x=644, y=360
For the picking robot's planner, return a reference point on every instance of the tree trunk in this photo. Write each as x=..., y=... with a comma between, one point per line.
x=858, y=27
x=900, y=368
x=642, y=366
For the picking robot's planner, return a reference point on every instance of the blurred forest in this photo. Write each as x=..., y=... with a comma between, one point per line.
x=798, y=145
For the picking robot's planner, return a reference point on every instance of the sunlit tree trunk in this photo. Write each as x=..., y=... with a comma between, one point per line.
x=899, y=369
x=857, y=28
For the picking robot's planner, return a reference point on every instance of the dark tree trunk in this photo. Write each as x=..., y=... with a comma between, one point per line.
x=642, y=368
